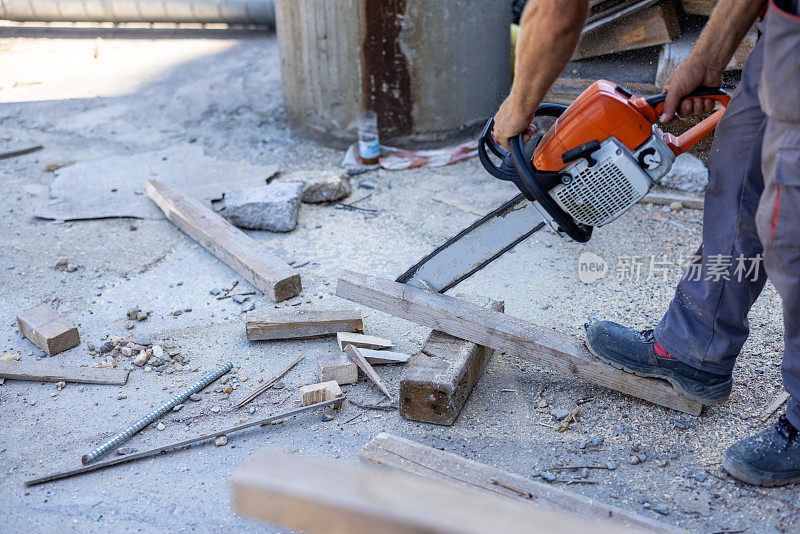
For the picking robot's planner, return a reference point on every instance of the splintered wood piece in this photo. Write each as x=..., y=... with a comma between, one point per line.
x=267, y=273
x=437, y=382
x=337, y=366
x=382, y=357
x=314, y=393
x=415, y=458
x=549, y=348
x=48, y=372
x=48, y=329
x=355, y=354
x=773, y=406
x=361, y=341
x=299, y=323
x=323, y=496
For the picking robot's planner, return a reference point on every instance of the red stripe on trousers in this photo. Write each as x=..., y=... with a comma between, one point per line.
x=775, y=211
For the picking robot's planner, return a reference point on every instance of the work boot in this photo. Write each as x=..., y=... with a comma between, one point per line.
x=770, y=458
x=638, y=353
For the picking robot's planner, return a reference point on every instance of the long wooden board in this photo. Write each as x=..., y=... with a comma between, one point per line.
x=277, y=280
x=437, y=382
x=48, y=329
x=294, y=323
x=48, y=372
x=505, y=333
x=323, y=497
x=405, y=455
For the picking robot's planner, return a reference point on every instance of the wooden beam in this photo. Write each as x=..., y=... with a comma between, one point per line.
x=48, y=329
x=383, y=357
x=298, y=323
x=233, y=247
x=336, y=366
x=549, y=348
x=354, y=353
x=415, y=458
x=435, y=385
x=361, y=341
x=48, y=372
x=323, y=497
x=654, y=25
x=314, y=393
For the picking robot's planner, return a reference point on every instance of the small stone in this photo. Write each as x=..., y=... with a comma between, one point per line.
x=215, y=409
x=248, y=307
x=215, y=291
x=122, y=451
x=549, y=477
x=158, y=352
x=142, y=316
x=279, y=385
x=240, y=299
x=177, y=313
x=178, y=367
x=61, y=385
x=676, y=206
x=106, y=347
x=161, y=426
x=642, y=457
x=72, y=268
x=133, y=313
x=227, y=389
x=220, y=441
x=661, y=509
x=559, y=413
x=252, y=410
x=127, y=351
x=543, y=403
x=141, y=359
x=273, y=207
x=129, y=325
x=611, y=465
x=327, y=188
x=143, y=341
x=133, y=228
x=62, y=262
x=633, y=459
x=662, y=462
x=121, y=396
x=195, y=397
x=583, y=473
x=326, y=417
x=90, y=346
x=596, y=441
x=177, y=408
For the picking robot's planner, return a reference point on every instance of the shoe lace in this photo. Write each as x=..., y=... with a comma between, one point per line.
x=786, y=429
x=647, y=335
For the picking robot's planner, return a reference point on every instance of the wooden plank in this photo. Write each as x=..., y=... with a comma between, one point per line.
x=298, y=323
x=699, y=7
x=48, y=372
x=383, y=357
x=409, y=456
x=355, y=354
x=323, y=497
x=337, y=366
x=549, y=348
x=48, y=329
x=652, y=26
x=773, y=406
x=233, y=247
x=314, y=393
x=435, y=385
x=362, y=341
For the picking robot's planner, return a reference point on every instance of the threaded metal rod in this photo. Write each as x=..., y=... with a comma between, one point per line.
x=260, y=12
x=126, y=434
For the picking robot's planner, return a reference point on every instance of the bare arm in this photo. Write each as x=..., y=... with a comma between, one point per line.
x=549, y=33
x=728, y=24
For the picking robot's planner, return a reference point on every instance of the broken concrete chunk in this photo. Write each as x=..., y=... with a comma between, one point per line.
x=688, y=173
x=272, y=207
x=326, y=188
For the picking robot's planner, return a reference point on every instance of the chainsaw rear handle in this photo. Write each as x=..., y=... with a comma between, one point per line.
x=690, y=137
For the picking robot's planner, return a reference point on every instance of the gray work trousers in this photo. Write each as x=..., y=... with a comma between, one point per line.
x=751, y=223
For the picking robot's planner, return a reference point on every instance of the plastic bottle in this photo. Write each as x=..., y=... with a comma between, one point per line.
x=369, y=147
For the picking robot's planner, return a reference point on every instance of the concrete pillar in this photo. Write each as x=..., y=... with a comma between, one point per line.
x=428, y=68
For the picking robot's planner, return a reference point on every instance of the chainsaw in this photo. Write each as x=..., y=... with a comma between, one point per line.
x=595, y=160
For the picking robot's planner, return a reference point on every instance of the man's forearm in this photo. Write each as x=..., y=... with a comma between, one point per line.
x=548, y=36
x=726, y=28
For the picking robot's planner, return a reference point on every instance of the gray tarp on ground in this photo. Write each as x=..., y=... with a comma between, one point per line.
x=115, y=186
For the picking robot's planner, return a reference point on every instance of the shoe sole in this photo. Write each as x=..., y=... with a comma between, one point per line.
x=756, y=478
x=664, y=374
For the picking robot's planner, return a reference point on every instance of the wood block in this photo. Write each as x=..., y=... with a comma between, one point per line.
x=382, y=357
x=435, y=385
x=314, y=393
x=297, y=323
x=48, y=329
x=354, y=353
x=319, y=496
x=654, y=25
x=267, y=273
x=549, y=348
x=699, y=7
x=48, y=372
x=337, y=366
x=418, y=459
x=361, y=341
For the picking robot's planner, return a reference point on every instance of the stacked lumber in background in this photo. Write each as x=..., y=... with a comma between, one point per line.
x=639, y=44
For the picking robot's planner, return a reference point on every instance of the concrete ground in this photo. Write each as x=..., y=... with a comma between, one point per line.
x=86, y=94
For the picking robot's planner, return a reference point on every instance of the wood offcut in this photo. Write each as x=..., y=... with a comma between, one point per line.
x=354, y=353
x=546, y=347
x=267, y=273
x=48, y=329
x=362, y=341
x=48, y=372
x=294, y=323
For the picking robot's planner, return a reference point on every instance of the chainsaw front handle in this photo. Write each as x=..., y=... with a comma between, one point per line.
x=505, y=171
x=690, y=137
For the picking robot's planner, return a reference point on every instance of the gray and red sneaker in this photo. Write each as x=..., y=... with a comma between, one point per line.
x=640, y=354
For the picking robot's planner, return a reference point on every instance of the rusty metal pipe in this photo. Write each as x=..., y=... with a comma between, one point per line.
x=255, y=12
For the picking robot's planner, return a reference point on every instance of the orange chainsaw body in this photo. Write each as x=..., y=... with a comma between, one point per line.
x=603, y=110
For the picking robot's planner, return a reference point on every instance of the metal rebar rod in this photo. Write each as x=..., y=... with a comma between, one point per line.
x=271, y=382
x=177, y=445
x=126, y=434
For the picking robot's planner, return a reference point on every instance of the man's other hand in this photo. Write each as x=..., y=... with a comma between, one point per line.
x=689, y=76
x=508, y=123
